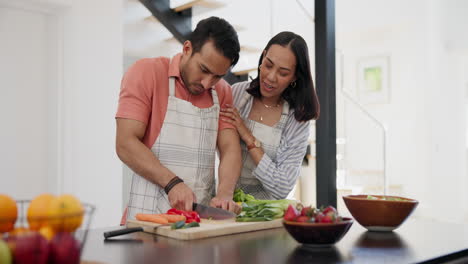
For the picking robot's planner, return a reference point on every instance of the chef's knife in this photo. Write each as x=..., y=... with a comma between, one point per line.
x=128, y=230
x=124, y=231
x=212, y=212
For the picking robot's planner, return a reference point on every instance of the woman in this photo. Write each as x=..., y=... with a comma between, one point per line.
x=272, y=114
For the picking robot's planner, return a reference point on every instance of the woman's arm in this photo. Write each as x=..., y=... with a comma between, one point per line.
x=279, y=178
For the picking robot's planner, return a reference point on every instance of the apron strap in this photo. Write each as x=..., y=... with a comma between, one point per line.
x=214, y=94
x=284, y=115
x=171, y=86
x=171, y=83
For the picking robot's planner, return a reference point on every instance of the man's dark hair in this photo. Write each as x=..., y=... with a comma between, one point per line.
x=223, y=35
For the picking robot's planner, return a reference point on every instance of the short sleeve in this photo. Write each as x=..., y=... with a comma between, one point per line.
x=225, y=97
x=136, y=92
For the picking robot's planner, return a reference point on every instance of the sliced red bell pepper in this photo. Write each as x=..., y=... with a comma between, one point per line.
x=174, y=211
x=191, y=216
x=195, y=216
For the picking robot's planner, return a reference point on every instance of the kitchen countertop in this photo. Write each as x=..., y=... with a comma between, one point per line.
x=416, y=241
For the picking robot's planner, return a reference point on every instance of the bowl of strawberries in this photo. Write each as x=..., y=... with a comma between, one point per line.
x=316, y=227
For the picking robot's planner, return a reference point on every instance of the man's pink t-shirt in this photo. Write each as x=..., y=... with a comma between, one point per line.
x=145, y=90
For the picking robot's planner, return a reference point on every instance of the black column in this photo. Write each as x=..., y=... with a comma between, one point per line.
x=325, y=84
x=231, y=78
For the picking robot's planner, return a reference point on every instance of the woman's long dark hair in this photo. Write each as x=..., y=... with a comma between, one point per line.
x=302, y=97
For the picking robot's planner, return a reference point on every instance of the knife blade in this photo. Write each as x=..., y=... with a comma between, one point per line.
x=208, y=212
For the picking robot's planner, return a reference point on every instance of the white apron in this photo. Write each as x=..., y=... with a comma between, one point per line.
x=186, y=146
x=270, y=138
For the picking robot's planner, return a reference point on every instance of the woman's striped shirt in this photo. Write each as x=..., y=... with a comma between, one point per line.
x=278, y=176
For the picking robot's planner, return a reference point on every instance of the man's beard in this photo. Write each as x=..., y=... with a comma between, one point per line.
x=190, y=87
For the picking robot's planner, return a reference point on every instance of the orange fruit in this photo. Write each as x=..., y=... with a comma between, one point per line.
x=65, y=213
x=47, y=232
x=19, y=231
x=8, y=213
x=38, y=210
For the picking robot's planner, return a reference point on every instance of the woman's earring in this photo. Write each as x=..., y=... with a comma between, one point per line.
x=259, y=66
x=293, y=84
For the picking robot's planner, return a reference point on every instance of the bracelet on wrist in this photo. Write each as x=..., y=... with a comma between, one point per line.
x=173, y=182
x=254, y=144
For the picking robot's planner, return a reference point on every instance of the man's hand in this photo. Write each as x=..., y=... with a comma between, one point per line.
x=225, y=203
x=181, y=197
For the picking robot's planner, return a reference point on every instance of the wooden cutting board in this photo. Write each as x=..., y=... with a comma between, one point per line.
x=208, y=228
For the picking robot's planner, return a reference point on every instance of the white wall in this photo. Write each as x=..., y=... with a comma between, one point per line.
x=24, y=103
x=93, y=70
x=425, y=116
x=87, y=74
x=398, y=38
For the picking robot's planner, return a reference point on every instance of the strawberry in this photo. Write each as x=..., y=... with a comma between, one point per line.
x=319, y=217
x=307, y=211
x=291, y=213
x=302, y=218
x=328, y=218
x=329, y=209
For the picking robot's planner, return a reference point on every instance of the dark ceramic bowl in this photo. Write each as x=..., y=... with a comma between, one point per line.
x=381, y=240
x=307, y=254
x=318, y=234
x=378, y=214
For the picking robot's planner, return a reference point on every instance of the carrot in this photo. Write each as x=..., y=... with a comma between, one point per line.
x=173, y=218
x=155, y=218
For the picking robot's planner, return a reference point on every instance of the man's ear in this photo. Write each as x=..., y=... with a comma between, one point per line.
x=187, y=48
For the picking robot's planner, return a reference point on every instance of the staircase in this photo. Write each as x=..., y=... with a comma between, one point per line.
x=177, y=18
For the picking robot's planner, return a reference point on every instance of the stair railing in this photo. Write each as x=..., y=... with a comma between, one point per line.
x=381, y=125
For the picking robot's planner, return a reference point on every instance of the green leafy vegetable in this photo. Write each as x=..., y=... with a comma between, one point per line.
x=192, y=224
x=254, y=210
x=182, y=225
x=370, y=197
x=240, y=196
x=178, y=225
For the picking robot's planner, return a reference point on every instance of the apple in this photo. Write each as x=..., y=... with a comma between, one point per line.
x=11, y=243
x=5, y=253
x=13, y=236
x=30, y=247
x=64, y=249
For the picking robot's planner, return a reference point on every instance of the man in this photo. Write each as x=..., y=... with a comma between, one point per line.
x=168, y=124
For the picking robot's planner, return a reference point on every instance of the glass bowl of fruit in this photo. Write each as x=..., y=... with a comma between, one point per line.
x=380, y=212
x=47, y=229
x=315, y=227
